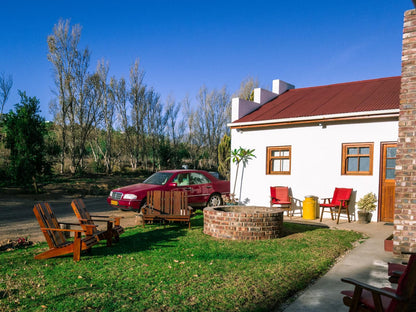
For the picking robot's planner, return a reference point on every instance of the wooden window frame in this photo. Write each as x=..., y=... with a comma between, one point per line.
x=270, y=159
x=345, y=156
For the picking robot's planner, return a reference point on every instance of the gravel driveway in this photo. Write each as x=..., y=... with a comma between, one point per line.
x=17, y=218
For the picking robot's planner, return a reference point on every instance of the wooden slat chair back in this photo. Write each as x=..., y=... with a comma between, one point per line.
x=167, y=206
x=113, y=227
x=180, y=204
x=153, y=207
x=47, y=220
x=338, y=203
x=369, y=298
x=54, y=235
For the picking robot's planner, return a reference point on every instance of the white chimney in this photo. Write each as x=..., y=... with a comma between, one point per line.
x=262, y=96
x=279, y=86
x=241, y=107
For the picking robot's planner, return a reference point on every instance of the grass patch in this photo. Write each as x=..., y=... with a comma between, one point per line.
x=172, y=268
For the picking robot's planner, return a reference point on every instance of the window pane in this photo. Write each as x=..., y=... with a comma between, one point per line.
x=364, y=150
x=275, y=153
x=182, y=179
x=285, y=165
x=276, y=165
x=352, y=164
x=391, y=163
x=352, y=151
x=390, y=173
x=391, y=152
x=364, y=164
x=198, y=178
x=285, y=153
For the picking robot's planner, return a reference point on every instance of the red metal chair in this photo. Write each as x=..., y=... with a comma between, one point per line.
x=394, y=271
x=279, y=195
x=369, y=298
x=338, y=203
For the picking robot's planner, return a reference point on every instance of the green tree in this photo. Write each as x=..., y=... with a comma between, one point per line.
x=25, y=131
x=224, y=150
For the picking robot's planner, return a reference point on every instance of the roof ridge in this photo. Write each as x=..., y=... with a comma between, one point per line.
x=346, y=83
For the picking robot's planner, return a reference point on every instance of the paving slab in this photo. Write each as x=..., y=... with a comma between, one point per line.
x=367, y=263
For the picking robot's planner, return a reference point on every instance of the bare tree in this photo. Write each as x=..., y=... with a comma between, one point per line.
x=62, y=46
x=139, y=111
x=120, y=92
x=6, y=84
x=172, y=109
x=107, y=102
x=195, y=137
x=212, y=118
x=247, y=87
x=156, y=121
x=78, y=97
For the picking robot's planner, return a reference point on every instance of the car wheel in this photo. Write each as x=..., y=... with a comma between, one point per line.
x=214, y=200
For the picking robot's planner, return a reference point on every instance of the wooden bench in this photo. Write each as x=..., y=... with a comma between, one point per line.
x=170, y=206
x=54, y=235
x=113, y=229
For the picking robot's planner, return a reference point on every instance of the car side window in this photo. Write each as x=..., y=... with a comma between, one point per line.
x=182, y=179
x=198, y=178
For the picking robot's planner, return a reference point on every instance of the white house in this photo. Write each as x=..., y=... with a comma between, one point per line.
x=315, y=139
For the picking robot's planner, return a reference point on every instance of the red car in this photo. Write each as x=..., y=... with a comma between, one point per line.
x=202, y=187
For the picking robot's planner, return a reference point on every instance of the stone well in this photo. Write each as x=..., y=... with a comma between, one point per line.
x=243, y=222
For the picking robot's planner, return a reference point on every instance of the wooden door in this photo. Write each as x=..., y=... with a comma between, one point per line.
x=387, y=182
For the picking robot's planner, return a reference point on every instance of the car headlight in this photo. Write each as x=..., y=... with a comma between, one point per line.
x=129, y=196
x=111, y=194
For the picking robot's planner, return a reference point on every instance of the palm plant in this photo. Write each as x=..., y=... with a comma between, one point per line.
x=238, y=156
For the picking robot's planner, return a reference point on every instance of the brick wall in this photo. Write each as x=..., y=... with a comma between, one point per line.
x=243, y=222
x=405, y=209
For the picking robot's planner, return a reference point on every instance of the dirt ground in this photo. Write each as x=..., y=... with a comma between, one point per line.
x=17, y=218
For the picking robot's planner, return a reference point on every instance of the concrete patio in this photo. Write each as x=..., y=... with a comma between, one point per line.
x=367, y=262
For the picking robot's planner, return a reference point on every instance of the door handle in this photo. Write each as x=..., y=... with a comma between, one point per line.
x=188, y=188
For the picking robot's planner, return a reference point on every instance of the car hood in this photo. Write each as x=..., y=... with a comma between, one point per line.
x=137, y=188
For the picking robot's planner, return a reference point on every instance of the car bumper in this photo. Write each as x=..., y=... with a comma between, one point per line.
x=133, y=204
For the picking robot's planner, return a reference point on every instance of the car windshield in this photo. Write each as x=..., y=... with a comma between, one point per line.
x=158, y=178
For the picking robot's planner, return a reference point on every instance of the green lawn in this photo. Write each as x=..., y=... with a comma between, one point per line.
x=172, y=268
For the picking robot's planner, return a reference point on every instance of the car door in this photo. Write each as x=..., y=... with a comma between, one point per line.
x=201, y=187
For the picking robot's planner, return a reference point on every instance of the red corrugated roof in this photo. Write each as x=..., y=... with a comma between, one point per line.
x=350, y=97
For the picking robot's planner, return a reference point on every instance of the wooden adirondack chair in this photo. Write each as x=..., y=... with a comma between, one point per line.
x=279, y=195
x=58, y=245
x=167, y=206
x=369, y=298
x=114, y=229
x=338, y=203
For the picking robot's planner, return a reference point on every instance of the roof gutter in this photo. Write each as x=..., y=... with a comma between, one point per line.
x=388, y=113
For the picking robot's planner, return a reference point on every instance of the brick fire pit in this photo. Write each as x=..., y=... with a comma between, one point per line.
x=243, y=222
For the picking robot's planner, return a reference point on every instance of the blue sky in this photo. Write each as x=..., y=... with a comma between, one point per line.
x=183, y=45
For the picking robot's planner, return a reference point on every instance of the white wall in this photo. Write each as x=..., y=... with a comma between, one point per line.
x=316, y=159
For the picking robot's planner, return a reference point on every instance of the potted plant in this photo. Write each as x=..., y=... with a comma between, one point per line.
x=366, y=205
x=229, y=200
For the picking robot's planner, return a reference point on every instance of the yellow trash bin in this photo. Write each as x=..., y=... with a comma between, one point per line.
x=309, y=207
